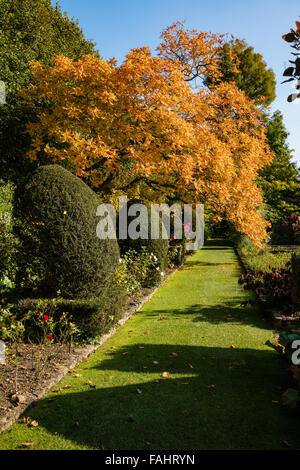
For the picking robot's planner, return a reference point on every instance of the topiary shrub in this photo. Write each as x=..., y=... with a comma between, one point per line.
x=59, y=250
x=159, y=246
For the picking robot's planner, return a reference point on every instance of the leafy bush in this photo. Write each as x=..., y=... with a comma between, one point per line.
x=262, y=259
x=177, y=246
x=287, y=232
x=159, y=247
x=273, y=287
x=296, y=280
x=11, y=329
x=176, y=255
x=56, y=225
x=43, y=324
x=135, y=269
x=91, y=317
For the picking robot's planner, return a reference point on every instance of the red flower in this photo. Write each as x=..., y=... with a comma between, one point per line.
x=45, y=317
x=49, y=336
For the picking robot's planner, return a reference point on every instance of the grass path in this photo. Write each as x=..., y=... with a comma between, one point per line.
x=223, y=381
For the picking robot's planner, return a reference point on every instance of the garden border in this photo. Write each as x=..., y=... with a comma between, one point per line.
x=10, y=417
x=278, y=320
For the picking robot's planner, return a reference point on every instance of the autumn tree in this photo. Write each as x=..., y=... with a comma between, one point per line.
x=29, y=30
x=204, y=145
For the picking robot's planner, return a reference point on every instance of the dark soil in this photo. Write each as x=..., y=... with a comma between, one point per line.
x=28, y=368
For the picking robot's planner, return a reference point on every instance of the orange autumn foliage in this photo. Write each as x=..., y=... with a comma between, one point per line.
x=205, y=146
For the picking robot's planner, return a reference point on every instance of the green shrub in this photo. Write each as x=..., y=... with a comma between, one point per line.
x=296, y=280
x=92, y=317
x=159, y=247
x=59, y=250
x=11, y=329
x=135, y=269
x=177, y=247
x=262, y=259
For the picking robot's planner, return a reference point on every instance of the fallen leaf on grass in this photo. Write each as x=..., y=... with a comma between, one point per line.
x=211, y=386
x=190, y=366
x=90, y=383
x=232, y=346
x=165, y=375
x=141, y=347
x=155, y=362
x=27, y=444
x=147, y=332
x=34, y=424
x=139, y=391
x=77, y=375
x=68, y=386
x=174, y=354
x=59, y=389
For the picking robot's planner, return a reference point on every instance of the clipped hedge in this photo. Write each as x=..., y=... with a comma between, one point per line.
x=94, y=317
x=159, y=247
x=56, y=225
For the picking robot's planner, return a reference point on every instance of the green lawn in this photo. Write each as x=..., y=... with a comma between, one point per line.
x=222, y=391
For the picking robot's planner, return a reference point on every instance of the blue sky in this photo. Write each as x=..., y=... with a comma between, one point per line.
x=118, y=25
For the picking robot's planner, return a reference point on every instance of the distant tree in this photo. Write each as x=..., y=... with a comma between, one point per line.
x=279, y=179
x=241, y=64
x=293, y=71
x=29, y=30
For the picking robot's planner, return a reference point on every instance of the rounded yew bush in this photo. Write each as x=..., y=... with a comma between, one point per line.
x=59, y=249
x=159, y=246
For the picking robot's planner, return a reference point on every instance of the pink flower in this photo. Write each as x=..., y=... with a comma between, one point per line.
x=45, y=317
x=49, y=336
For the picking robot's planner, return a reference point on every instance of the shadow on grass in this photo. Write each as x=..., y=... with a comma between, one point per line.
x=231, y=311
x=190, y=264
x=222, y=400
x=217, y=244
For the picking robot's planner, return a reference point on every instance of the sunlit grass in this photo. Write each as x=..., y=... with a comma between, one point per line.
x=221, y=391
